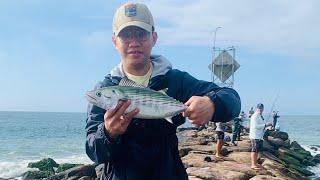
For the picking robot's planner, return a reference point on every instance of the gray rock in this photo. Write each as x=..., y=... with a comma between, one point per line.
x=301, y=170
x=184, y=151
x=268, y=147
x=207, y=159
x=46, y=164
x=292, y=153
x=279, y=134
x=65, y=166
x=276, y=142
x=316, y=159
x=36, y=174
x=78, y=171
x=314, y=148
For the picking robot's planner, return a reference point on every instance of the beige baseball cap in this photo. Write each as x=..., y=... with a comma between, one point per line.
x=132, y=14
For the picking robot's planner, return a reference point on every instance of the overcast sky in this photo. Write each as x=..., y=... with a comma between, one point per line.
x=51, y=52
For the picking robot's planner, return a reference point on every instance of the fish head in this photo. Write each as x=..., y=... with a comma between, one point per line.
x=104, y=98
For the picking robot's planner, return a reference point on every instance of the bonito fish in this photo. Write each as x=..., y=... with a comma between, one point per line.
x=152, y=104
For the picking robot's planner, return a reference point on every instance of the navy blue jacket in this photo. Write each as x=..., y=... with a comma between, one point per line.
x=149, y=148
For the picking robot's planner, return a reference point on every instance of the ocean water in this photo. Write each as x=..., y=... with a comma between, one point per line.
x=31, y=136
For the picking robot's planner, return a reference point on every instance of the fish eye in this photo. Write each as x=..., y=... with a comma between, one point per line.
x=98, y=94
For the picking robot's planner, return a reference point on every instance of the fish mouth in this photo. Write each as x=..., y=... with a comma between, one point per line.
x=90, y=98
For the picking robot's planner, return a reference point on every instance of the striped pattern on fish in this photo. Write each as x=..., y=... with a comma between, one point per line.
x=152, y=104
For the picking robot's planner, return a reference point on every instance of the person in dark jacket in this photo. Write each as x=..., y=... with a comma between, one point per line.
x=275, y=117
x=133, y=148
x=236, y=130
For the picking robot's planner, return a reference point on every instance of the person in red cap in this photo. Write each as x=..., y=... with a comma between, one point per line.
x=147, y=149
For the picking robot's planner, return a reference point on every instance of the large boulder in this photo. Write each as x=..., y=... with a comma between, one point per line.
x=65, y=166
x=289, y=160
x=279, y=134
x=276, y=142
x=240, y=157
x=281, y=170
x=308, y=162
x=76, y=173
x=272, y=157
x=266, y=177
x=301, y=170
x=297, y=148
x=46, y=164
x=316, y=159
x=37, y=174
x=212, y=173
x=292, y=153
x=268, y=147
x=184, y=151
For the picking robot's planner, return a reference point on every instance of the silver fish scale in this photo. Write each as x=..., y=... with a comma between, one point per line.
x=146, y=94
x=152, y=103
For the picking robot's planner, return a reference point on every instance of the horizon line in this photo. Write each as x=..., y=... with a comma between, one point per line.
x=32, y=111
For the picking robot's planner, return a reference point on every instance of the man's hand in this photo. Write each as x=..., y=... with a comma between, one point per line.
x=200, y=110
x=116, y=121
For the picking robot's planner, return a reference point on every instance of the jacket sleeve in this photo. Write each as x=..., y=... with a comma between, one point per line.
x=226, y=100
x=99, y=146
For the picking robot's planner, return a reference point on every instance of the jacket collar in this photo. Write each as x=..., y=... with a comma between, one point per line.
x=160, y=67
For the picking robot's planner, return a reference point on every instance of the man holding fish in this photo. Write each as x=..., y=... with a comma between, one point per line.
x=134, y=112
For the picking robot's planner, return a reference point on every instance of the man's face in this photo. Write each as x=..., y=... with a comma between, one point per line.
x=134, y=45
x=260, y=110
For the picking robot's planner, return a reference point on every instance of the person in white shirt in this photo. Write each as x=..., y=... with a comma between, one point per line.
x=257, y=129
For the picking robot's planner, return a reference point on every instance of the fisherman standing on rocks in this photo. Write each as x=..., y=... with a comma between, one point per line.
x=236, y=129
x=257, y=128
x=275, y=117
x=135, y=148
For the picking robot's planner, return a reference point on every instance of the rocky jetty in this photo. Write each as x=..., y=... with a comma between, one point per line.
x=281, y=159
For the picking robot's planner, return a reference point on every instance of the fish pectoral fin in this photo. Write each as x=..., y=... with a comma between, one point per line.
x=169, y=119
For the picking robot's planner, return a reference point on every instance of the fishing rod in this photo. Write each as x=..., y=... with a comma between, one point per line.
x=274, y=102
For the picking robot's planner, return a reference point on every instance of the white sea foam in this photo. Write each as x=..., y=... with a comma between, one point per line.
x=314, y=150
x=315, y=170
x=13, y=169
x=16, y=169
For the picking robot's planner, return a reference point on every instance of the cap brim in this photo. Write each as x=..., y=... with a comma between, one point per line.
x=139, y=24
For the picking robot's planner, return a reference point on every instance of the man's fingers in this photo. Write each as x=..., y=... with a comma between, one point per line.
x=188, y=111
x=122, y=109
x=188, y=102
x=133, y=113
x=111, y=112
x=195, y=123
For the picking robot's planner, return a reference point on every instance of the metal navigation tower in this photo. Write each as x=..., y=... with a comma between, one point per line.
x=224, y=65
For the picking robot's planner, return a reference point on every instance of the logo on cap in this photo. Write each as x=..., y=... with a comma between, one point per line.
x=130, y=10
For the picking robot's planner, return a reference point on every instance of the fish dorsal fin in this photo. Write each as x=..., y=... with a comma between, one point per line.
x=127, y=82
